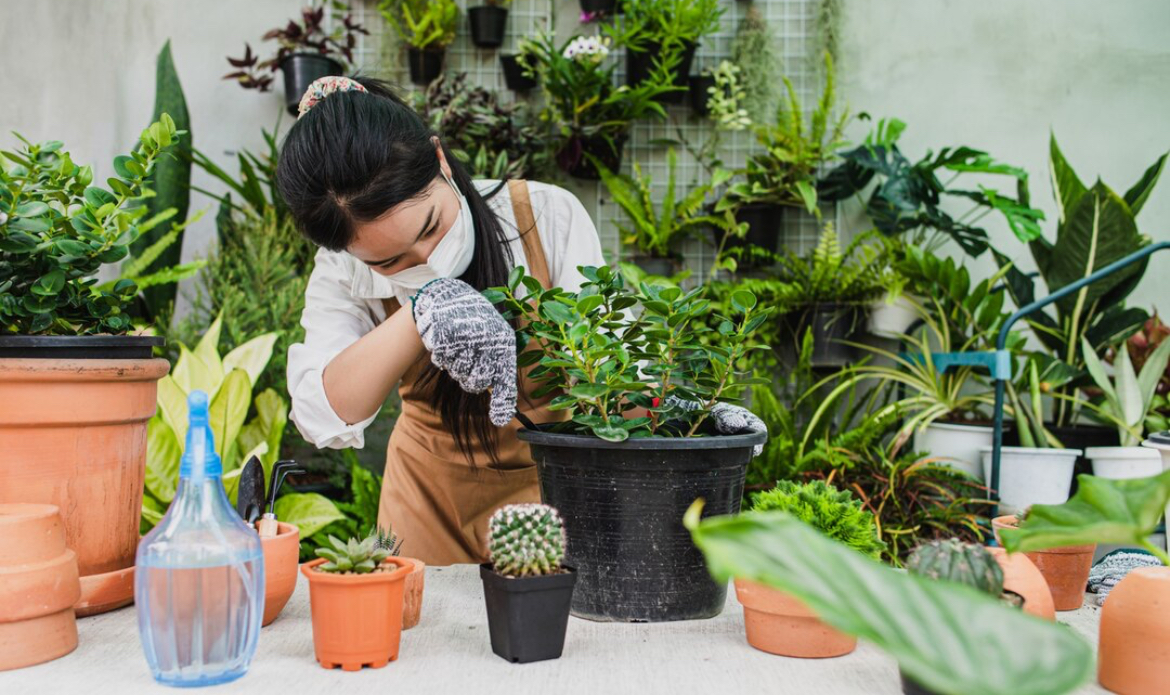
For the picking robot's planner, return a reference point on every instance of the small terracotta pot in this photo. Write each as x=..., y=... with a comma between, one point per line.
x=1065, y=569
x=1022, y=577
x=1133, y=656
x=280, y=569
x=777, y=623
x=357, y=618
x=413, y=594
x=38, y=586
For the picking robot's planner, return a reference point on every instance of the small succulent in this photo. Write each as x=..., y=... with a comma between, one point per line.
x=956, y=561
x=386, y=539
x=358, y=557
x=526, y=540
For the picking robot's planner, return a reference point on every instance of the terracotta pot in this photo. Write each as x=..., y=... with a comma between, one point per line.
x=780, y=624
x=1065, y=569
x=357, y=618
x=73, y=434
x=413, y=594
x=1022, y=577
x=38, y=586
x=281, y=553
x=1133, y=656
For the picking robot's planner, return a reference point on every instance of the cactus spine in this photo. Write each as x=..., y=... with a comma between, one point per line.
x=526, y=540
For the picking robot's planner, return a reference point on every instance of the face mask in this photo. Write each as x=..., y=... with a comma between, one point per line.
x=450, y=257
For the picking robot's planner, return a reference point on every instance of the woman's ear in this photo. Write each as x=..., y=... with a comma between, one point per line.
x=443, y=165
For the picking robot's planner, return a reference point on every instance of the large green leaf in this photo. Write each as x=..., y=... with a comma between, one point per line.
x=163, y=453
x=308, y=511
x=191, y=373
x=949, y=637
x=172, y=405
x=1137, y=195
x=1065, y=185
x=207, y=349
x=252, y=356
x=266, y=428
x=227, y=412
x=1102, y=511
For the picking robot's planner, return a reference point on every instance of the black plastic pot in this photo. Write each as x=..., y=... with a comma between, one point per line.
x=514, y=76
x=623, y=503
x=764, y=222
x=425, y=65
x=640, y=65
x=1079, y=437
x=487, y=25
x=697, y=86
x=571, y=157
x=911, y=687
x=301, y=70
x=831, y=324
x=607, y=6
x=655, y=265
x=527, y=616
x=86, y=347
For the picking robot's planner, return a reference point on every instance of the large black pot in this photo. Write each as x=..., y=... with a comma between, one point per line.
x=487, y=25
x=764, y=221
x=527, y=616
x=301, y=70
x=84, y=347
x=425, y=65
x=606, y=6
x=697, y=86
x=623, y=503
x=831, y=325
x=514, y=76
x=640, y=65
x=1078, y=437
x=571, y=157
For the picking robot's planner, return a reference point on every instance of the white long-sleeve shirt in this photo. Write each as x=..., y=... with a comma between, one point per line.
x=344, y=299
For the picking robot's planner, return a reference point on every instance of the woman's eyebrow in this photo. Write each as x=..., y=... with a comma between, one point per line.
x=427, y=223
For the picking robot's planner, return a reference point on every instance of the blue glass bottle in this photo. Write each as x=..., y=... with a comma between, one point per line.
x=199, y=582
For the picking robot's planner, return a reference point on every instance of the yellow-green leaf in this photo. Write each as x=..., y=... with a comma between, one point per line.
x=228, y=410
x=251, y=357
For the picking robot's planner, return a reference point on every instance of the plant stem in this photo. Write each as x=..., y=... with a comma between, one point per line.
x=1155, y=551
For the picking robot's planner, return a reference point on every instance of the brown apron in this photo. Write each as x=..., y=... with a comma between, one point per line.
x=432, y=497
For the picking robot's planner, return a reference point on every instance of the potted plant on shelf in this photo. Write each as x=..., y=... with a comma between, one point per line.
x=427, y=27
x=664, y=33
x=519, y=67
x=76, y=390
x=355, y=596
x=776, y=622
x=305, y=52
x=1065, y=568
x=526, y=586
x=488, y=23
x=600, y=467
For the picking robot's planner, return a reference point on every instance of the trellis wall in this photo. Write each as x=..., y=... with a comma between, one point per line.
x=798, y=27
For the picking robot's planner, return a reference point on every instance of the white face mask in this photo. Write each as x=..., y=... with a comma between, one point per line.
x=450, y=257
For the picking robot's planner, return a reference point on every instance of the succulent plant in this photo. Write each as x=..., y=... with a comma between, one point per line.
x=526, y=540
x=358, y=557
x=386, y=539
x=956, y=561
x=835, y=513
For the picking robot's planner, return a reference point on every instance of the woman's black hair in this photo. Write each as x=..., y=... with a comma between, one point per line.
x=353, y=157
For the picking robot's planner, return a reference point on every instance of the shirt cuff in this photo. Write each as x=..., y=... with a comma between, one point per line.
x=316, y=420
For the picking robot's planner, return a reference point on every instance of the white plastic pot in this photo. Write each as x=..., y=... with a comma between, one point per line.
x=1160, y=442
x=1123, y=462
x=891, y=319
x=1031, y=476
x=958, y=444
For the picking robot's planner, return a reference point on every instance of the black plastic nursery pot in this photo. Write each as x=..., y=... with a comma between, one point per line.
x=527, y=616
x=622, y=504
x=487, y=25
x=640, y=65
x=514, y=77
x=84, y=347
x=697, y=86
x=656, y=265
x=425, y=65
x=765, y=222
x=301, y=70
x=831, y=324
x=607, y=6
x=572, y=160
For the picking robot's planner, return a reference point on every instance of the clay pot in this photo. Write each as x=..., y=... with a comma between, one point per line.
x=1065, y=569
x=413, y=594
x=73, y=435
x=780, y=624
x=357, y=618
x=1022, y=577
x=1133, y=656
x=281, y=553
x=38, y=586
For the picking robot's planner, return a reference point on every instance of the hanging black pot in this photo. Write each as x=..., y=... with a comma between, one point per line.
x=527, y=616
x=572, y=160
x=425, y=65
x=640, y=65
x=832, y=325
x=698, y=85
x=764, y=220
x=301, y=70
x=488, y=23
x=514, y=76
x=594, y=6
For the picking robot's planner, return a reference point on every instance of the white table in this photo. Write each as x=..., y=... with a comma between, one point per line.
x=449, y=652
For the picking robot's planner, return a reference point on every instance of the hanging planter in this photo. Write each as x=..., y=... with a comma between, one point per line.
x=833, y=325
x=425, y=64
x=640, y=65
x=698, y=87
x=514, y=77
x=488, y=24
x=572, y=160
x=596, y=6
x=891, y=319
x=300, y=70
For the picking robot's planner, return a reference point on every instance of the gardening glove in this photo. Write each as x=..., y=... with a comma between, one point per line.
x=1112, y=568
x=727, y=418
x=469, y=339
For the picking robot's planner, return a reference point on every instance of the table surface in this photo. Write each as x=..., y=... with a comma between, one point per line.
x=449, y=652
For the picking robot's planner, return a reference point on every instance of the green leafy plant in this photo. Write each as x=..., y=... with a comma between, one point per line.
x=942, y=634
x=725, y=105
x=835, y=513
x=319, y=517
x=955, y=561
x=665, y=28
x=1128, y=397
x=753, y=52
x=526, y=540
x=352, y=557
x=1140, y=346
x=833, y=274
x=306, y=36
x=428, y=25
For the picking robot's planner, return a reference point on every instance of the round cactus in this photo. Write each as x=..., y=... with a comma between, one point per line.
x=526, y=540
x=953, y=560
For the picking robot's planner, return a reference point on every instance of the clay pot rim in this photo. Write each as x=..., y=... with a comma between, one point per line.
x=404, y=568
x=20, y=512
x=72, y=369
x=789, y=604
x=999, y=522
x=283, y=531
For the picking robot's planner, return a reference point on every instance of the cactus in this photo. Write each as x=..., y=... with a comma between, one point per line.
x=953, y=560
x=526, y=540
x=356, y=557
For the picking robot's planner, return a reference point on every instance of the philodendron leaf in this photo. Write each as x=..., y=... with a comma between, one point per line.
x=945, y=635
x=1102, y=511
x=308, y=511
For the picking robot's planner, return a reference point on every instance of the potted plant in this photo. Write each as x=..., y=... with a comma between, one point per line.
x=519, y=68
x=488, y=23
x=1065, y=568
x=601, y=468
x=699, y=89
x=598, y=7
x=427, y=27
x=526, y=586
x=754, y=54
x=305, y=52
x=355, y=597
x=776, y=622
x=76, y=390
x=663, y=33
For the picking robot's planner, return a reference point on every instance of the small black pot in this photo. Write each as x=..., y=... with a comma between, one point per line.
x=85, y=347
x=514, y=76
x=571, y=157
x=656, y=265
x=698, y=86
x=831, y=324
x=487, y=25
x=640, y=65
x=764, y=222
x=606, y=6
x=301, y=70
x=527, y=616
x=425, y=65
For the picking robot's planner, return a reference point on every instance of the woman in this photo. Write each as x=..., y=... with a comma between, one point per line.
x=408, y=241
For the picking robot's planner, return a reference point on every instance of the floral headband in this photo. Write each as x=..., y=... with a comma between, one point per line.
x=323, y=87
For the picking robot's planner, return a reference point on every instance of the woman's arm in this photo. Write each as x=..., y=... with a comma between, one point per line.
x=358, y=380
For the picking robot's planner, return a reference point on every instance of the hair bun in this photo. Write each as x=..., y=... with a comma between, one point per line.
x=323, y=87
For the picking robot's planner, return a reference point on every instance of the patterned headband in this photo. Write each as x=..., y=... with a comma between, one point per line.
x=323, y=87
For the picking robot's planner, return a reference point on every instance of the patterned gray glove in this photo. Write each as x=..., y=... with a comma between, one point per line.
x=469, y=339
x=727, y=418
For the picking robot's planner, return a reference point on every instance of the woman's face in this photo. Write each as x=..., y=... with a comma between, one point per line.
x=405, y=236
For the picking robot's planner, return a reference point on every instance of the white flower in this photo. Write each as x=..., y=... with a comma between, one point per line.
x=587, y=48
